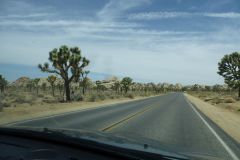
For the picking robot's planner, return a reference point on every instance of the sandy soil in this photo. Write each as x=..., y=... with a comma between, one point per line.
x=24, y=112
x=226, y=119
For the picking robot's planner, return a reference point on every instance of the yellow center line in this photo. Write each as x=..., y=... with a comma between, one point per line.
x=111, y=126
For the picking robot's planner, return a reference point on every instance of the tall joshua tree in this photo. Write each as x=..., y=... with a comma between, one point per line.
x=66, y=62
x=229, y=68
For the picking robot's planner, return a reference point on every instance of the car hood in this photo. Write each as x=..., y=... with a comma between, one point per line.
x=121, y=140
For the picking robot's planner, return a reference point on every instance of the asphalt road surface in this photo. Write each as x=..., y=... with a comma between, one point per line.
x=169, y=120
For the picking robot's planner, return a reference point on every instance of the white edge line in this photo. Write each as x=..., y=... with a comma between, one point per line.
x=230, y=152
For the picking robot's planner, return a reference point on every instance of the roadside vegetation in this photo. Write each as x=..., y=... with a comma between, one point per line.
x=68, y=82
x=224, y=96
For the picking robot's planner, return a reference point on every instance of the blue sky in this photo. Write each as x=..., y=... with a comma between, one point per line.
x=150, y=40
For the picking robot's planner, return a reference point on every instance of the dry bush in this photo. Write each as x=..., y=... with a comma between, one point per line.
x=217, y=100
x=130, y=95
x=229, y=100
x=50, y=100
x=40, y=95
x=92, y=98
x=78, y=97
x=1, y=107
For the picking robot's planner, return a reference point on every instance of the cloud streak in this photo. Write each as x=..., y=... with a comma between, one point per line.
x=115, y=8
x=34, y=15
x=166, y=15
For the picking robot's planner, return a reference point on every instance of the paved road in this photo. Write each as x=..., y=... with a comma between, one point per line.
x=168, y=120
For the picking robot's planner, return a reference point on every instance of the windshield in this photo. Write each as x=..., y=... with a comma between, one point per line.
x=162, y=73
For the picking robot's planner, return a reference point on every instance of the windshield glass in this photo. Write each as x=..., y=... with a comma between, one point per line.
x=161, y=73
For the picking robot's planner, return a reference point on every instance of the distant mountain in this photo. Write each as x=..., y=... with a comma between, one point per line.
x=14, y=71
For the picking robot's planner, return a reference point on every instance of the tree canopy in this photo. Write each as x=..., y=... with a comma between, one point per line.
x=126, y=83
x=229, y=68
x=66, y=60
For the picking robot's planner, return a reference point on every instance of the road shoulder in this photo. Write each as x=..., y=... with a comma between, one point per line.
x=15, y=114
x=228, y=121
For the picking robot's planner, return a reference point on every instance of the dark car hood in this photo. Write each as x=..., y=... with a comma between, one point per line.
x=124, y=140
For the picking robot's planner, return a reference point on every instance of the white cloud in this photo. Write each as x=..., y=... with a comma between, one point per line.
x=164, y=15
x=115, y=8
x=34, y=15
x=123, y=48
x=223, y=15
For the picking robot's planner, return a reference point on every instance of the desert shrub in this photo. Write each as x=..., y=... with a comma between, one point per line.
x=112, y=96
x=21, y=100
x=238, y=110
x=13, y=94
x=50, y=100
x=41, y=95
x=229, y=100
x=101, y=97
x=5, y=104
x=78, y=97
x=217, y=100
x=92, y=98
x=130, y=95
x=208, y=99
x=1, y=107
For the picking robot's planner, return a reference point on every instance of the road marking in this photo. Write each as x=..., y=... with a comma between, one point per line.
x=125, y=119
x=228, y=149
x=70, y=112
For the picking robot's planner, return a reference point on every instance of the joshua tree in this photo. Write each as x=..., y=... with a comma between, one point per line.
x=36, y=81
x=126, y=83
x=98, y=84
x=116, y=86
x=52, y=79
x=44, y=86
x=84, y=81
x=3, y=83
x=63, y=60
x=229, y=68
x=30, y=85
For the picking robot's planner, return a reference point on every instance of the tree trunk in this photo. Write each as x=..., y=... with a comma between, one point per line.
x=53, y=90
x=83, y=90
x=239, y=92
x=67, y=90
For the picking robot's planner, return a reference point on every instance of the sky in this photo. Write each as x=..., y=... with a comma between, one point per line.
x=175, y=41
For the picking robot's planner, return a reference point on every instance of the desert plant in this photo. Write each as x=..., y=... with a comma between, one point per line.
x=126, y=83
x=78, y=97
x=92, y=98
x=84, y=81
x=117, y=86
x=101, y=97
x=229, y=100
x=52, y=79
x=131, y=96
x=3, y=83
x=63, y=60
x=229, y=68
x=1, y=107
x=36, y=81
